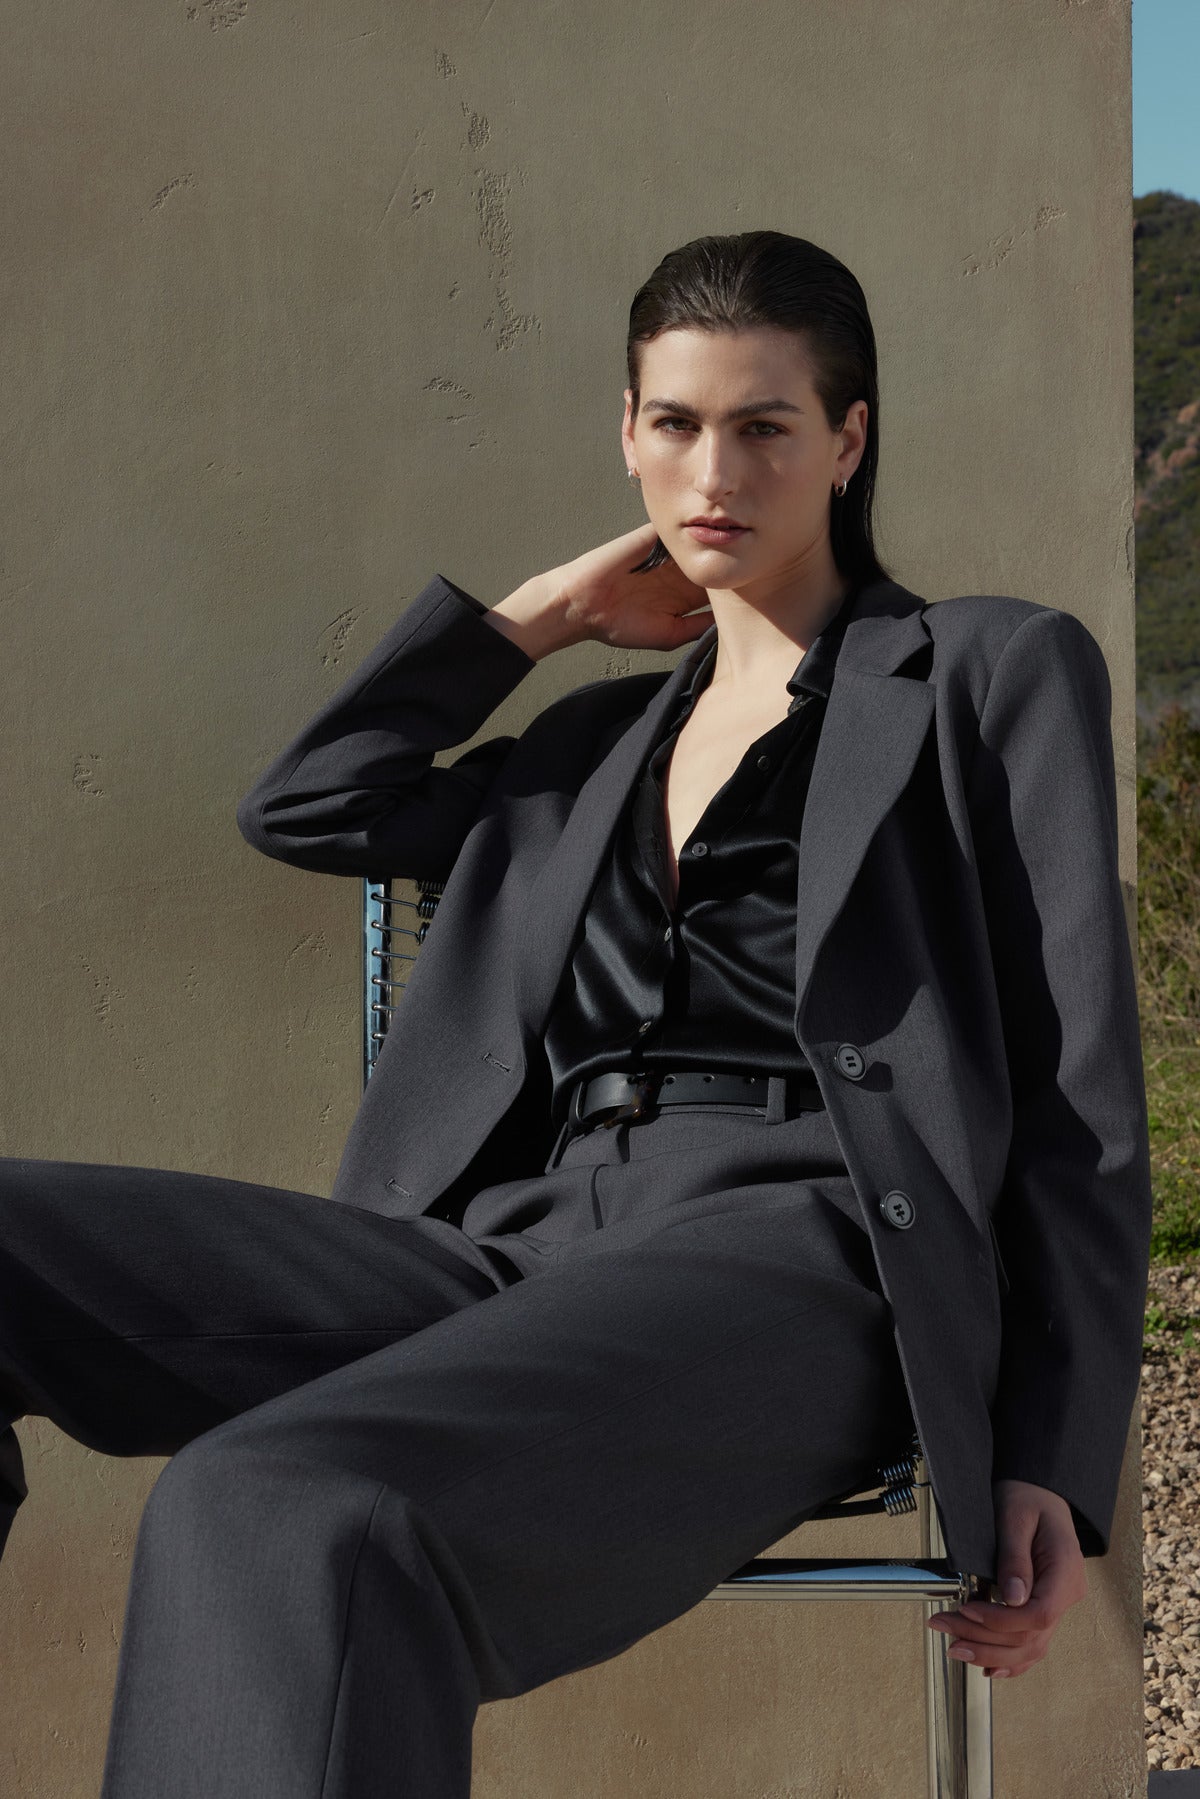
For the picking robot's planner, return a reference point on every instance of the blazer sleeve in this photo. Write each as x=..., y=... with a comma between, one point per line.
x=1073, y=1219
x=356, y=792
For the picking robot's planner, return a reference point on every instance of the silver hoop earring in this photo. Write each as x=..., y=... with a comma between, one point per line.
x=633, y=474
x=840, y=489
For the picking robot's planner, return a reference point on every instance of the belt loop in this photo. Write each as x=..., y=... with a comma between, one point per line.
x=565, y=1133
x=776, y=1099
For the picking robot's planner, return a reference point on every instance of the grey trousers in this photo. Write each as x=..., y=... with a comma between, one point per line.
x=415, y=1466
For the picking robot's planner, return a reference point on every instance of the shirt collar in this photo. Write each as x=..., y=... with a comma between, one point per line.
x=814, y=671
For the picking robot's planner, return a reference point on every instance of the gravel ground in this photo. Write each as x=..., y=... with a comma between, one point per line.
x=1171, y=1517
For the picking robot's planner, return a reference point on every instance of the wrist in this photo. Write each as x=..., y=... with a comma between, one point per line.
x=534, y=617
x=1011, y=1486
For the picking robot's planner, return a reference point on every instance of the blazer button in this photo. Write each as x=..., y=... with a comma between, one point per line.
x=898, y=1209
x=849, y=1061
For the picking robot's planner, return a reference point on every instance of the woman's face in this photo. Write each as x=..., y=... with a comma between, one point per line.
x=709, y=443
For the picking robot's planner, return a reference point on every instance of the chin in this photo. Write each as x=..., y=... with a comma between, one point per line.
x=704, y=563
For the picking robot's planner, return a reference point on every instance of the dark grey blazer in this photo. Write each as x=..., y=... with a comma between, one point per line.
x=965, y=987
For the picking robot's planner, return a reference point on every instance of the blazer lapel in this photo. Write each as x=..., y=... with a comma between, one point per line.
x=875, y=723
x=873, y=728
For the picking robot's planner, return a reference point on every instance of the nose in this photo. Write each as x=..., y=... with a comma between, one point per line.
x=715, y=466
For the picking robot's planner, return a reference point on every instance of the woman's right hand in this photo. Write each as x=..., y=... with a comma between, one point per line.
x=602, y=598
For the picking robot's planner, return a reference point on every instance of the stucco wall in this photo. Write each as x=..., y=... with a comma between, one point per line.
x=304, y=302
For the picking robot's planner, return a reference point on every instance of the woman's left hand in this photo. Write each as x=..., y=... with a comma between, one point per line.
x=1039, y=1566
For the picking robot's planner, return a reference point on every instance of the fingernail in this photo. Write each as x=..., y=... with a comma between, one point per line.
x=1014, y=1591
x=1001, y=1673
x=963, y=1653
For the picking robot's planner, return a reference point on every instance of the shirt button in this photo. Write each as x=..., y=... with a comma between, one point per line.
x=849, y=1060
x=898, y=1209
x=699, y=849
x=764, y=762
x=667, y=935
x=644, y=1026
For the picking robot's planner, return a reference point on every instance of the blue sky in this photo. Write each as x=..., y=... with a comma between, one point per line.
x=1166, y=92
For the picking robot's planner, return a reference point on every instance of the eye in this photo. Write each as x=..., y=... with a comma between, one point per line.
x=664, y=424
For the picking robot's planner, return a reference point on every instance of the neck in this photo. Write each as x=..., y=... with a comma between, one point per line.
x=762, y=632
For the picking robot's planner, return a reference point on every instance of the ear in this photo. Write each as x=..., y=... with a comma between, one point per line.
x=853, y=437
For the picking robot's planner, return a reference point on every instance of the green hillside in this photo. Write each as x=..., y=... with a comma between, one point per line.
x=1166, y=303
x=1166, y=289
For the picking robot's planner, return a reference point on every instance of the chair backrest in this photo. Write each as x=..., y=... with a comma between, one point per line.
x=390, y=944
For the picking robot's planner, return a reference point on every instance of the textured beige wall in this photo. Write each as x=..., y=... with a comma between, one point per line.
x=304, y=302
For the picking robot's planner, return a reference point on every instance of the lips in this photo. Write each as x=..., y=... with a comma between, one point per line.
x=717, y=534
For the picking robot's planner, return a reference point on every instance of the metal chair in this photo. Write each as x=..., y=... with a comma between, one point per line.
x=958, y=1695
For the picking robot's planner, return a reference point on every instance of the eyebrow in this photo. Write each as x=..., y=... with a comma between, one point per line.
x=739, y=412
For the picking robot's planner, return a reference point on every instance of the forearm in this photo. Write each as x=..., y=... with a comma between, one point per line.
x=355, y=791
x=1073, y=1219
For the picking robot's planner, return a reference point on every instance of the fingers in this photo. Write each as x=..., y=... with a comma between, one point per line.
x=997, y=1651
x=995, y=1628
x=1010, y=1639
x=1003, y=1639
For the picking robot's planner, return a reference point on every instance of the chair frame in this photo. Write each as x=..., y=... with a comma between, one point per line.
x=958, y=1695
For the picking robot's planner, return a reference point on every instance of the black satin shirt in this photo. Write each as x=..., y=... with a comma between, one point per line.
x=711, y=982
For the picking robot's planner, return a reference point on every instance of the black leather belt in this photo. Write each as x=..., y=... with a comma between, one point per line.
x=633, y=1095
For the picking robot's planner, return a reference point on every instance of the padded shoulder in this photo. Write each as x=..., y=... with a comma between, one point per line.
x=971, y=632
x=983, y=619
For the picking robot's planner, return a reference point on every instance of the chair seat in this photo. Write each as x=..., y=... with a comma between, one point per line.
x=856, y=1577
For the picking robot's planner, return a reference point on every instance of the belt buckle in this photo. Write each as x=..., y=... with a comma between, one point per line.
x=645, y=1089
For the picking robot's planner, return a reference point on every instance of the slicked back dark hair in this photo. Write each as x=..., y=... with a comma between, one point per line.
x=760, y=278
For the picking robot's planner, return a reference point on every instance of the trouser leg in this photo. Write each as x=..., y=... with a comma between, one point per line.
x=140, y=1307
x=292, y=1628
x=325, y=1586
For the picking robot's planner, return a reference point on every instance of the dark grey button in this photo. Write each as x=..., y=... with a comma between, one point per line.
x=667, y=935
x=764, y=762
x=849, y=1060
x=644, y=1026
x=898, y=1209
x=699, y=849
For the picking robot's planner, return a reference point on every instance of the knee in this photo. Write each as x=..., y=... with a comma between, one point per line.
x=248, y=1515
x=223, y=1472
x=229, y=1517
